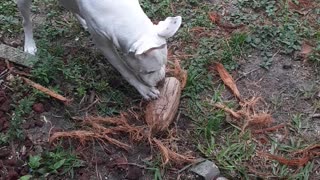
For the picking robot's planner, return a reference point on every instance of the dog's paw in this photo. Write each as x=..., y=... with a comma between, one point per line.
x=30, y=49
x=149, y=93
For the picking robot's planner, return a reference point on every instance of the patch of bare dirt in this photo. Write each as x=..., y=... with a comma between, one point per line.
x=289, y=87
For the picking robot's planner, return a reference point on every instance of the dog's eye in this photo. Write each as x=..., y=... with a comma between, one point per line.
x=150, y=72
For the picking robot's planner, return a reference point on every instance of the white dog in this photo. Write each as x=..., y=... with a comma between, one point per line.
x=120, y=24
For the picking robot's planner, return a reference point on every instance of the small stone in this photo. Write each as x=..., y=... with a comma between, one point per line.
x=287, y=66
x=221, y=178
x=38, y=108
x=10, y=78
x=207, y=169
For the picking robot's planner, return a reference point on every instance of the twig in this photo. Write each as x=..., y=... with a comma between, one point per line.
x=47, y=91
x=247, y=73
x=14, y=155
x=230, y=111
x=134, y=164
x=316, y=116
x=3, y=73
x=84, y=109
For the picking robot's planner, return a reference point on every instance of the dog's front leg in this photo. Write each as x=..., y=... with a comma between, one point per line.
x=24, y=8
x=113, y=57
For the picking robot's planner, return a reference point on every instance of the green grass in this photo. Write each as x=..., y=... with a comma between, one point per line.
x=58, y=162
x=23, y=101
x=72, y=69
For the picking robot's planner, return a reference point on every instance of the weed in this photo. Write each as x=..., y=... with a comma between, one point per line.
x=296, y=121
x=154, y=167
x=9, y=23
x=305, y=172
x=22, y=107
x=156, y=8
x=58, y=162
x=235, y=151
x=315, y=55
x=239, y=17
x=283, y=171
x=268, y=6
x=81, y=74
x=4, y=139
x=233, y=48
x=8, y=8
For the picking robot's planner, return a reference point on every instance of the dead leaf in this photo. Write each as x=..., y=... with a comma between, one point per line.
x=302, y=4
x=306, y=49
x=214, y=17
x=282, y=160
x=227, y=79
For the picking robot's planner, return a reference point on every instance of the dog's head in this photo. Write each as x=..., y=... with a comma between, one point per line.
x=148, y=56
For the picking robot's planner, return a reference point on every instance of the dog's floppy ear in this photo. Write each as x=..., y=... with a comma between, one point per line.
x=169, y=27
x=145, y=44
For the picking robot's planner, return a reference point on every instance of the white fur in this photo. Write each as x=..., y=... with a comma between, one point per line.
x=120, y=24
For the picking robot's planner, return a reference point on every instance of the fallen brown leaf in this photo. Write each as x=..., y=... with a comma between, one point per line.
x=227, y=79
x=306, y=50
x=214, y=17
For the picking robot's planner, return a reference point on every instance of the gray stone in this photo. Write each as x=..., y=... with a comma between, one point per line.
x=17, y=56
x=207, y=169
x=221, y=178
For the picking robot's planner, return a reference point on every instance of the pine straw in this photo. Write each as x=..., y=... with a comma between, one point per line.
x=247, y=116
x=285, y=161
x=84, y=136
x=101, y=128
x=169, y=155
x=298, y=158
x=312, y=150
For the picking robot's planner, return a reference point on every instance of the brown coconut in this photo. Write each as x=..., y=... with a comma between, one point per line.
x=160, y=113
